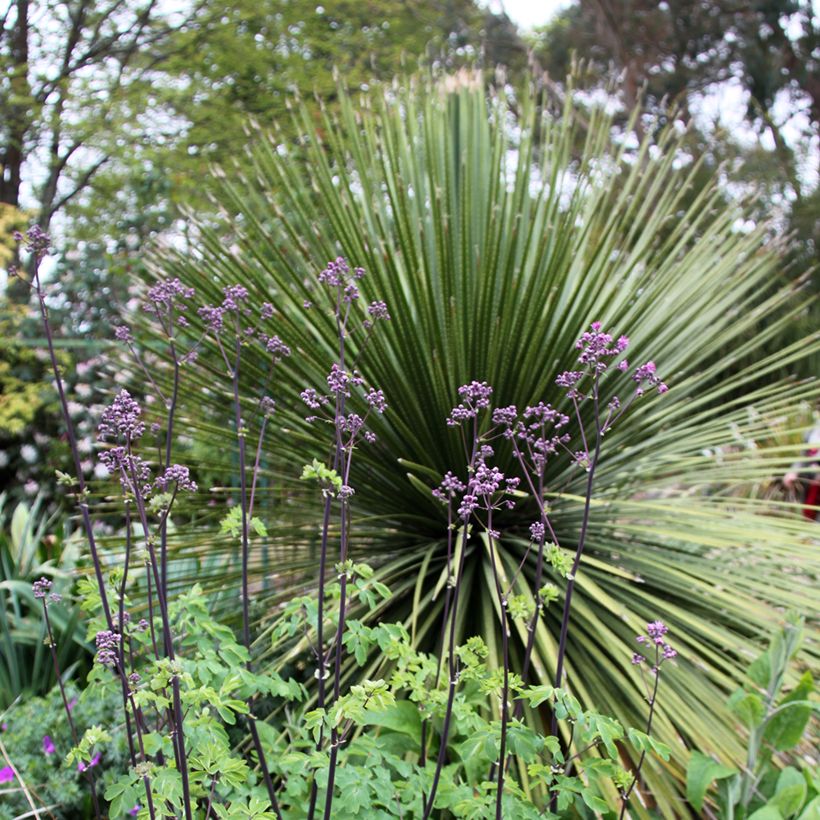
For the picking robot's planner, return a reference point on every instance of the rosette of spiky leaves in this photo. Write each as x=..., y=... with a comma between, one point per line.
x=496, y=231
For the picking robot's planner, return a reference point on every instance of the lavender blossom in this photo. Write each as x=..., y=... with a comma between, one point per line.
x=178, y=474
x=108, y=643
x=122, y=418
x=449, y=488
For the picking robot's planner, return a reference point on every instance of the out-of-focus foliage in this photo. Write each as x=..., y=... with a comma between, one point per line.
x=50, y=780
x=30, y=548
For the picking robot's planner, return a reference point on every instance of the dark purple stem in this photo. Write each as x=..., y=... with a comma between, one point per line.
x=88, y=774
x=505, y=648
x=246, y=627
x=627, y=794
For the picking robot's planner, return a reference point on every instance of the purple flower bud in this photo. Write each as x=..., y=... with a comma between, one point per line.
x=235, y=295
x=636, y=658
x=108, y=644
x=48, y=745
x=42, y=587
x=277, y=347
x=267, y=310
x=123, y=334
x=178, y=474
x=378, y=311
x=537, y=531
x=375, y=398
x=122, y=418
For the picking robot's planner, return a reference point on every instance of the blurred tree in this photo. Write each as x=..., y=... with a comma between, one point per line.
x=678, y=55
x=74, y=88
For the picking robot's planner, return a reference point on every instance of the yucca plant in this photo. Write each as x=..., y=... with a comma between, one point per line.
x=496, y=232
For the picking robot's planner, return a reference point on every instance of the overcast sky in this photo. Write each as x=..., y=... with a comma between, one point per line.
x=529, y=13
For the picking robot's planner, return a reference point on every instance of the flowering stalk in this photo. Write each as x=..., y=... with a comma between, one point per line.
x=234, y=307
x=42, y=591
x=349, y=430
x=37, y=243
x=445, y=493
x=475, y=397
x=533, y=444
x=597, y=352
x=663, y=652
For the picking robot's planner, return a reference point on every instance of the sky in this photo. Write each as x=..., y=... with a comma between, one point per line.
x=528, y=13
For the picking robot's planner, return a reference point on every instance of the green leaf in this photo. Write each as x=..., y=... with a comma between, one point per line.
x=523, y=741
x=645, y=743
x=403, y=717
x=766, y=813
x=790, y=792
x=760, y=670
x=748, y=707
x=701, y=772
x=785, y=728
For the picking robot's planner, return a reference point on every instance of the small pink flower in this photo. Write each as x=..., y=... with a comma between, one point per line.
x=48, y=745
x=6, y=774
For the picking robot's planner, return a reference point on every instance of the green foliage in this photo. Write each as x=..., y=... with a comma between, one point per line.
x=776, y=723
x=54, y=778
x=28, y=551
x=494, y=246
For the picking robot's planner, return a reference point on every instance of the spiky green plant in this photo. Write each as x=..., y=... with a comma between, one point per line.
x=496, y=232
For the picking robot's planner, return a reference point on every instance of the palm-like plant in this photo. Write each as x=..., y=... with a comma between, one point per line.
x=495, y=238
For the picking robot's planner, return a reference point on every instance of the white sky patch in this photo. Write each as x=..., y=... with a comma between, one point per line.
x=529, y=13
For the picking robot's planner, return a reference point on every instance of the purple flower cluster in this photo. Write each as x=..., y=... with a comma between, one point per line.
x=646, y=374
x=178, y=474
x=449, y=488
x=108, y=645
x=164, y=294
x=378, y=311
x=656, y=636
x=274, y=345
x=313, y=399
x=35, y=239
x=474, y=396
x=42, y=591
x=376, y=399
x=131, y=470
x=41, y=587
x=531, y=430
x=123, y=417
x=598, y=350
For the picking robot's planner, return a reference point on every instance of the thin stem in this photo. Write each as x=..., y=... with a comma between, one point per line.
x=453, y=672
x=246, y=628
x=502, y=754
x=72, y=443
x=562, y=643
x=89, y=775
x=652, y=701
x=169, y=432
x=121, y=617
